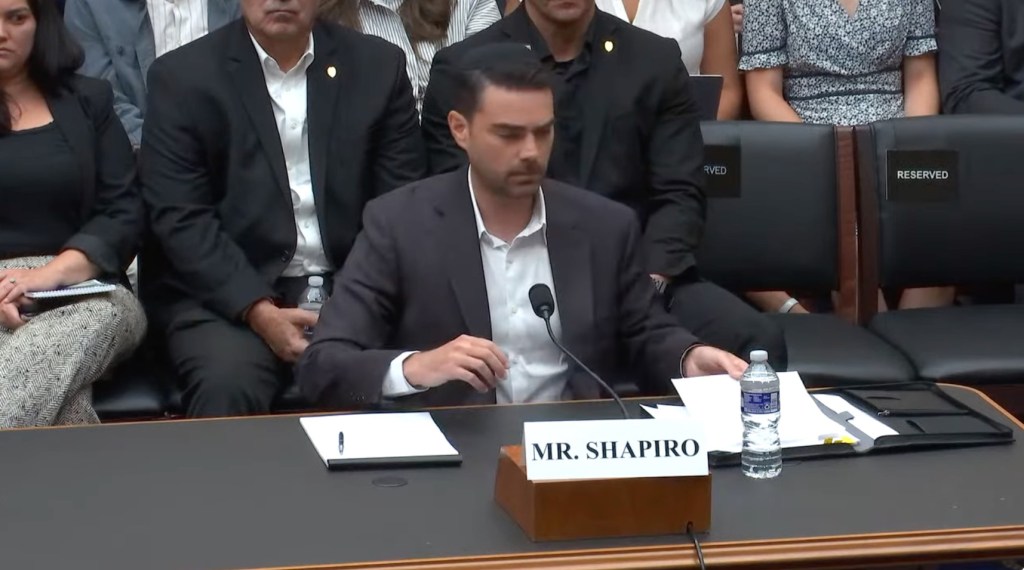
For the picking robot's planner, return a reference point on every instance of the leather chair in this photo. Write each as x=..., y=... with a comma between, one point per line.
x=792, y=226
x=136, y=389
x=912, y=236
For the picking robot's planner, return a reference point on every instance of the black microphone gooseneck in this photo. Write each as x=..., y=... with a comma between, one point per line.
x=544, y=306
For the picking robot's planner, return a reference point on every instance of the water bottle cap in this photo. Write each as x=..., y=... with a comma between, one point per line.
x=316, y=281
x=759, y=356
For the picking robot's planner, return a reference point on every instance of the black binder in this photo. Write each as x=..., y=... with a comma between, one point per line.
x=923, y=415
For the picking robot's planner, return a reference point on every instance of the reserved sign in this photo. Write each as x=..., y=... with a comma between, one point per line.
x=922, y=175
x=722, y=174
x=613, y=449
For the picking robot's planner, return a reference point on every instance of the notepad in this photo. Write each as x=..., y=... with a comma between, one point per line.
x=714, y=401
x=352, y=441
x=90, y=287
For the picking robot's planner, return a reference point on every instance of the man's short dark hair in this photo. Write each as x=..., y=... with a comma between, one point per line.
x=506, y=65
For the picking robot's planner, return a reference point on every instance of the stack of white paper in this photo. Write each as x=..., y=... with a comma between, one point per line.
x=714, y=401
x=375, y=436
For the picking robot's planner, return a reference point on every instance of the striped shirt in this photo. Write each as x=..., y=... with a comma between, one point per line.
x=380, y=18
x=176, y=22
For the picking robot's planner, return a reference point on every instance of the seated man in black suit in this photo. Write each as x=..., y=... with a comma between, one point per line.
x=263, y=142
x=432, y=306
x=628, y=129
x=981, y=56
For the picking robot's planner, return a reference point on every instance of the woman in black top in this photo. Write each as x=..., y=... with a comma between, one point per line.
x=69, y=212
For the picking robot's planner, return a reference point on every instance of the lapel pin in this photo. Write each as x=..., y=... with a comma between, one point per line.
x=609, y=46
x=332, y=71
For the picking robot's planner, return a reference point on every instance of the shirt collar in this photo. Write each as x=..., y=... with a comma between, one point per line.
x=538, y=221
x=269, y=63
x=541, y=48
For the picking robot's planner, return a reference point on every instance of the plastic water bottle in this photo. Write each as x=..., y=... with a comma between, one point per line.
x=762, y=451
x=313, y=298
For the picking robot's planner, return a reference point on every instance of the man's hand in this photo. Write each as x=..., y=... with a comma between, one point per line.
x=708, y=360
x=475, y=361
x=281, y=329
x=737, y=18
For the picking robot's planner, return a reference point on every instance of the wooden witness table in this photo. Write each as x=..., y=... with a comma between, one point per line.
x=252, y=493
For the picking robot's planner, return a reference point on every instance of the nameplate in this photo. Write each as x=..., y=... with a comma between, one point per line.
x=922, y=175
x=613, y=449
x=722, y=171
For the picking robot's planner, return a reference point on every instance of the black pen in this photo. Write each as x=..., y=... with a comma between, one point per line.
x=341, y=442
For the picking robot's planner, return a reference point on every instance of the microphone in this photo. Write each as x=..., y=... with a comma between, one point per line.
x=544, y=307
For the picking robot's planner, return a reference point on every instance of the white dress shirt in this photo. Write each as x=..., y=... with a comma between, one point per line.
x=177, y=22
x=380, y=18
x=288, y=95
x=538, y=371
x=680, y=20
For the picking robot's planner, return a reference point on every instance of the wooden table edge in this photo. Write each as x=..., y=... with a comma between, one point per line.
x=855, y=551
x=161, y=421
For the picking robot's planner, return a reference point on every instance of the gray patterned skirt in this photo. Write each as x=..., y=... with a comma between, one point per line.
x=47, y=366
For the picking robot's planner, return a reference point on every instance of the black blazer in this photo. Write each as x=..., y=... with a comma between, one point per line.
x=981, y=56
x=641, y=143
x=415, y=281
x=112, y=214
x=213, y=170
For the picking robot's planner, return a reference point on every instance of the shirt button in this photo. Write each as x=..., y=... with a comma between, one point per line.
x=515, y=310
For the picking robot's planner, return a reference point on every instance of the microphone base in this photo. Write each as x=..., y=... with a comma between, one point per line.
x=599, y=508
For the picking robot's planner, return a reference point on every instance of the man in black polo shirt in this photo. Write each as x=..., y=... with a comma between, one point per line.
x=627, y=128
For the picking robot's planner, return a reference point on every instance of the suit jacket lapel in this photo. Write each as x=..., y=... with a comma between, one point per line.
x=600, y=83
x=322, y=88
x=77, y=129
x=247, y=79
x=456, y=225
x=145, y=45
x=517, y=26
x=569, y=252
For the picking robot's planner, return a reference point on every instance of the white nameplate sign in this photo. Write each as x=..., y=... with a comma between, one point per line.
x=613, y=449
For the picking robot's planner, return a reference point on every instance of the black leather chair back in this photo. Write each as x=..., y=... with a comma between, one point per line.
x=913, y=232
x=780, y=230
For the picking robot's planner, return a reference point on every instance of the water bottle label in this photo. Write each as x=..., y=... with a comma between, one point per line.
x=760, y=402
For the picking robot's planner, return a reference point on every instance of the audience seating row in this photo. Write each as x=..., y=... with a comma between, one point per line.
x=815, y=208
x=896, y=204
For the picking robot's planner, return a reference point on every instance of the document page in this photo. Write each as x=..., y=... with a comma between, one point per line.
x=857, y=417
x=714, y=401
x=374, y=436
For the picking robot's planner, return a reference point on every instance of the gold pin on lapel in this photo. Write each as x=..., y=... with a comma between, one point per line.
x=331, y=71
x=609, y=46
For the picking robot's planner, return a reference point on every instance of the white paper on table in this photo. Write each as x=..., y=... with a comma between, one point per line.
x=715, y=402
x=373, y=436
x=861, y=419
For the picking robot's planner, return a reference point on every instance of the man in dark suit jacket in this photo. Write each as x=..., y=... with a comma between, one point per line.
x=432, y=306
x=263, y=142
x=627, y=129
x=981, y=56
